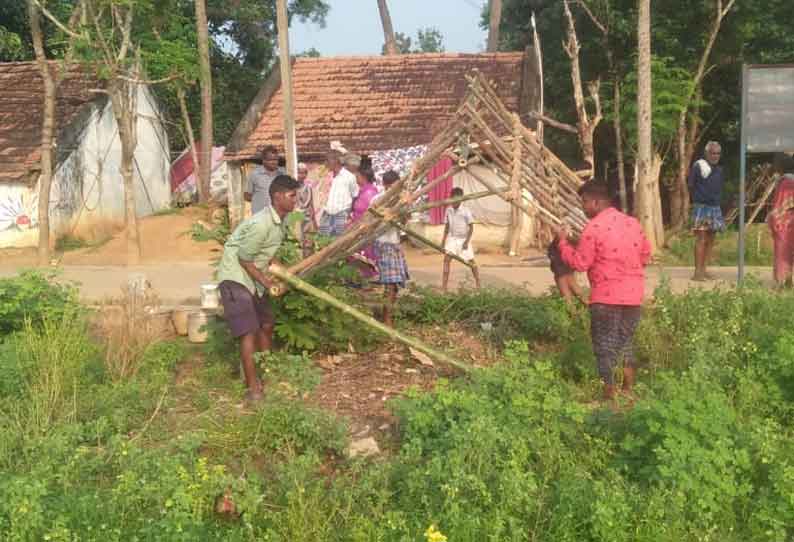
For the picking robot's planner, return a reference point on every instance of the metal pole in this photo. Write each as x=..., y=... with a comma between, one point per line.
x=286, y=88
x=742, y=173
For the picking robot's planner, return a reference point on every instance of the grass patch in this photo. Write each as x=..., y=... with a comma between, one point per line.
x=69, y=242
x=512, y=452
x=167, y=211
x=758, y=248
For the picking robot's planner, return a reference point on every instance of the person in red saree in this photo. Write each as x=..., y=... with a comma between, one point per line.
x=781, y=222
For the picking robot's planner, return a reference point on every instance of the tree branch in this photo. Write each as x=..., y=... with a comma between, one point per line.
x=138, y=81
x=553, y=123
x=126, y=31
x=594, y=88
x=593, y=18
x=55, y=21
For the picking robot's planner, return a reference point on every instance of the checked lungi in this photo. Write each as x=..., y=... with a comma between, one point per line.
x=612, y=330
x=391, y=263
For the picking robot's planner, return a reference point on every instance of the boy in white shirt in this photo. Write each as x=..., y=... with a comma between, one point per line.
x=458, y=229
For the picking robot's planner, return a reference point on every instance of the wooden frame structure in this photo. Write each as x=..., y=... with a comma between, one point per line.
x=481, y=132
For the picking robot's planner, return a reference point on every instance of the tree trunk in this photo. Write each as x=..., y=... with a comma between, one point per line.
x=205, y=76
x=585, y=125
x=647, y=187
x=123, y=96
x=287, y=106
x=624, y=198
x=388, y=30
x=493, y=25
x=47, y=135
x=689, y=123
x=191, y=141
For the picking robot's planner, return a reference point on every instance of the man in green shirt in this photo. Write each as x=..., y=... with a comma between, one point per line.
x=243, y=283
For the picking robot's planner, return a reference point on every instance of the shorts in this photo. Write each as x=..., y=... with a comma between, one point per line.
x=558, y=266
x=454, y=245
x=245, y=313
x=707, y=218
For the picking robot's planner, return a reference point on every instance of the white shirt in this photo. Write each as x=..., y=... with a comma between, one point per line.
x=389, y=235
x=458, y=220
x=343, y=189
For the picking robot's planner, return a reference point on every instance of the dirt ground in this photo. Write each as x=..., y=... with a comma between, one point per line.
x=164, y=239
x=359, y=386
x=176, y=265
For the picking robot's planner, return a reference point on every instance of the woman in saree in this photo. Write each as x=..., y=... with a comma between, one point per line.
x=781, y=221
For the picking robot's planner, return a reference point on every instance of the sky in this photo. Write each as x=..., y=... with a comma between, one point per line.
x=353, y=26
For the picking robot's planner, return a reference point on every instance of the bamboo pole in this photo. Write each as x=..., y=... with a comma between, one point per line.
x=761, y=202
x=452, y=201
x=517, y=218
x=303, y=286
x=422, y=239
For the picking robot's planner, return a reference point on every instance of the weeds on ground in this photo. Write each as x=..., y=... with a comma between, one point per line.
x=129, y=325
x=33, y=296
x=508, y=453
x=758, y=251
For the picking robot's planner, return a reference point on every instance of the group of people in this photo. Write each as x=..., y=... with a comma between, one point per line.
x=351, y=191
x=612, y=249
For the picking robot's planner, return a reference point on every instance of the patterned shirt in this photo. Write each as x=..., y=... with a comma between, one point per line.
x=258, y=185
x=256, y=240
x=343, y=189
x=614, y=251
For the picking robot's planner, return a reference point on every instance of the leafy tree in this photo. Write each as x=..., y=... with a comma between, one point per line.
x=428, y=40
x=15, y=42
x=755, y=31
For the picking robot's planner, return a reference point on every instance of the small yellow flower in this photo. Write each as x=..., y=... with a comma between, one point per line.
x=434, y=535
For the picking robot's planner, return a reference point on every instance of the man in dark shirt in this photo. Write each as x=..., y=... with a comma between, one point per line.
x=705, y=186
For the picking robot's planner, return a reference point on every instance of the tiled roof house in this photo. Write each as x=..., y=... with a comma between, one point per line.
x=21, y=110
x=372, y=103
x=87, y=189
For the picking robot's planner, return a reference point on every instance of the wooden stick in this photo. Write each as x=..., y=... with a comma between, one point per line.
x=303, y=286
x=423, y=239
x=452, y=201
x=761, y=202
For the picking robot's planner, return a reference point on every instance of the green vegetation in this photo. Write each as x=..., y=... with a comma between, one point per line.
x=758, y=248
x=516, y=451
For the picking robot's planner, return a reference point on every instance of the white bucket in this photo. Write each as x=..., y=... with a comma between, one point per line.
x=210, y=297
x=196, y=326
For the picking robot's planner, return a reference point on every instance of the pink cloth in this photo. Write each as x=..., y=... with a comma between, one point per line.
x=614, y=251
x=362, y=201
x=781, y=224
x=441, y=190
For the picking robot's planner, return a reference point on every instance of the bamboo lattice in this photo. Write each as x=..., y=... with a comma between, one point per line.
x=484, y=132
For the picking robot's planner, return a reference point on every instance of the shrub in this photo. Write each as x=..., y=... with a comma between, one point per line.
x=34, y=296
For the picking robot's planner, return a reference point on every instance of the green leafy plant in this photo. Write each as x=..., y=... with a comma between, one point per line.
x=35, y=296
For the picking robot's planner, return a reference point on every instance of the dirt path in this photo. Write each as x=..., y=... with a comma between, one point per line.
x=176, y=266
x=178, y=283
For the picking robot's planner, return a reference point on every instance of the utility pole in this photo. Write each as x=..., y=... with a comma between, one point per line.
x=288, y=113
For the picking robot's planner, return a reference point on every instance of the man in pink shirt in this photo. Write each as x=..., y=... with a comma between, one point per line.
x=614, y=251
